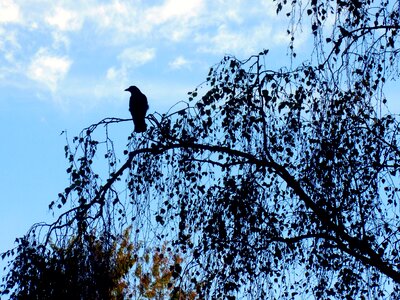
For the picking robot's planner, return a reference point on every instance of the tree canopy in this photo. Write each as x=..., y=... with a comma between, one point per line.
x=267, y=183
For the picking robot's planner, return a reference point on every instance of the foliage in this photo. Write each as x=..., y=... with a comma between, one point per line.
x=86, y=268
x=157, y=276
x=270, y=183
x=92, y=268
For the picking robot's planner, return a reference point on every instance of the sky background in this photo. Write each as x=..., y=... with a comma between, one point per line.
x=65, y=64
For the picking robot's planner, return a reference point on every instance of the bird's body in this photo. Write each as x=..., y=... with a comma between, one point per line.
x=138, y=107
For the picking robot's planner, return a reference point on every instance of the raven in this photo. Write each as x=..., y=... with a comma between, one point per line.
x=138, y=107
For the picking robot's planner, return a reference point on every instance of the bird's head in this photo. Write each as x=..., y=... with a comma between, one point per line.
x=133, y=89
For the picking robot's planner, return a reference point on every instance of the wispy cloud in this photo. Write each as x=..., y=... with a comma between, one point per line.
x=240, y=41
x=220, y=26
x=174, y=20
x=118, y=16
x=174, y=10
x=9, y=12
x=65, y=20
x=129, y=59
x=136, y=56
x=48, y=69
x=109, y=41
x=179, y=63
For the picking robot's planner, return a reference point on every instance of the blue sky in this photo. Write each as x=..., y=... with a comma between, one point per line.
x=64, y=65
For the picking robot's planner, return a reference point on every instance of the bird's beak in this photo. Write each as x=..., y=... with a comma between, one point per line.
x=127, y=90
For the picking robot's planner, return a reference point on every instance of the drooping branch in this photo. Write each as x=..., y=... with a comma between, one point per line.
x=354, y=246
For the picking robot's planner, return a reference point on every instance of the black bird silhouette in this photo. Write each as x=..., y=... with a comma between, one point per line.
x=138, y=107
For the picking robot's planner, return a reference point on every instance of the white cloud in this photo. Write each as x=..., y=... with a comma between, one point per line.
x=129, y=59
x=179, y=63
x=127, y=20
x=226, y=40
x=8, y=39
x=106, y=30
x=174, y=10
x=9, y=12
x=281, y=38
x=118, y=16
x=177, y=20
x=48, y=69
x=136, y=56
x=112, y=73
x=60, y=40
x=222, y=23
x=65, y=20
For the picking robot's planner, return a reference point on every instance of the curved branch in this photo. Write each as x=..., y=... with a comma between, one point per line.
x=354, y=246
